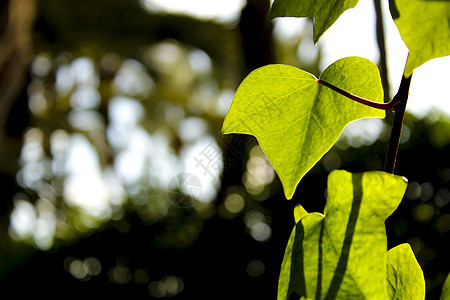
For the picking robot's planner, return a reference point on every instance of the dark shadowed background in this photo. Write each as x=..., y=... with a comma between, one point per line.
x=116, y=182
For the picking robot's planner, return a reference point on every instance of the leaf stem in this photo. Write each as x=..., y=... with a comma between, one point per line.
x=381, y=47
x=397, y=104
x=391, y=105
x=401, y=98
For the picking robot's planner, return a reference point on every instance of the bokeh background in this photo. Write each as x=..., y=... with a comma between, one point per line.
x=116, y=182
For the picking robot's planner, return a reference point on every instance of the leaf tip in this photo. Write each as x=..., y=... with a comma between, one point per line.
x=289, y=187
x=299, y=213
x=316, y=36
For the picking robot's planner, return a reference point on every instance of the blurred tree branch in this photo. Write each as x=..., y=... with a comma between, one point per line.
x=256, y=32
x=15, y=53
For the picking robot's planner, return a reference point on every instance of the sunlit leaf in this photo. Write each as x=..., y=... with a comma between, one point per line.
x=342, y=254
x=324, y=12
x=404, y=276
x=299, y=213
x=424, y=27
x=295, y=119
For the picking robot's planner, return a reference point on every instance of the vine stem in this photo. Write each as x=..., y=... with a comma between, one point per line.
x=384, y=106
x=381, y=47
x=397, y=104
x=401, y=98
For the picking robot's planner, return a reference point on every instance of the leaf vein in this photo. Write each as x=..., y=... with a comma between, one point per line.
x=246, y=114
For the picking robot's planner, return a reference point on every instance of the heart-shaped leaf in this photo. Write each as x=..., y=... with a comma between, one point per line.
x=341, y=254
x=424, y=27
x=297, y=120
x=324, y=12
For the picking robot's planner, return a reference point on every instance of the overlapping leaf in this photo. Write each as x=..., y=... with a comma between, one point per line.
x=342, y=254
x=404, y=276
x=324, y=12
x=295, y=119
x=424, y=27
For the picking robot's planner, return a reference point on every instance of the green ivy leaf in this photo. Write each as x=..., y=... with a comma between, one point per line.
x=342, y=254
x=324, y=12
x=295, y=119
x=424, y=27
x=404, y=276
